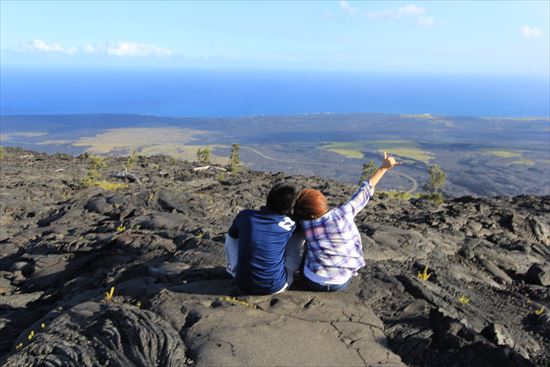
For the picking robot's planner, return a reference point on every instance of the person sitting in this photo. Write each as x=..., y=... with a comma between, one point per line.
x=334, y=248
x=262, y=253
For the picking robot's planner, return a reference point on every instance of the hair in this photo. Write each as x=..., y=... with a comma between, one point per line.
x=310, y=204
x=281, y=198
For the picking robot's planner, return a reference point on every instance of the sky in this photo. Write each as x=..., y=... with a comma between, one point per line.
x=450, y=37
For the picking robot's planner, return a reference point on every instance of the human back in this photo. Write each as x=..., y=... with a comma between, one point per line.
x=257, y=242
x=263, y=236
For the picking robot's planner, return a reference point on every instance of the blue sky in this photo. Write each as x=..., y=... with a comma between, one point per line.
x=492, y=37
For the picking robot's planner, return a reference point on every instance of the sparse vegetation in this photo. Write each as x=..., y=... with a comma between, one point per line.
x=347, y=149
x=93, y=178
x=523, y=162
x=221, y=176
x=204, y=155
x=435, y=197
x=504, y=153
x=369, y=169
x=436, y=180
x=464, y=300
x=111, y=186
x=109, y=294
x=424, y=275
x=234, y=159
x=397, y=195
x=238, y=302
x=97, y=162
x=132, y=160
x=121, y=228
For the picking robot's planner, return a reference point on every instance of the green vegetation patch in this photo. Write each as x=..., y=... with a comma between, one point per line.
x=504, y=153
x=404, y=149
x=347, y=149
x=185, y=152
x=523, y=162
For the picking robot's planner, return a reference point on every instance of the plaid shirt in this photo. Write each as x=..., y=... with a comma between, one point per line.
x=334, y=248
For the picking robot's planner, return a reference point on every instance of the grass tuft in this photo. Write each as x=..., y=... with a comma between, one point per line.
x=109, y=294
x=423, y=275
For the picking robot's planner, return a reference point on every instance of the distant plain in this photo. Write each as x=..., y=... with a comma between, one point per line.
x=481, y=156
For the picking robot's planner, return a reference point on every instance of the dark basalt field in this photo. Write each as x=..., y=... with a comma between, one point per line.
x=135, y=276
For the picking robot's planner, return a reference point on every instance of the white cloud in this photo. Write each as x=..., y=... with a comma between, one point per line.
x=425, y=21
x=37, y=45
x=130, y=49
x=136, y=49
x=530, y=32
x=404, y=11
x=346, y=6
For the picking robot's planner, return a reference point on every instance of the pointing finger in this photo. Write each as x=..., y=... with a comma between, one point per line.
x=385, y=155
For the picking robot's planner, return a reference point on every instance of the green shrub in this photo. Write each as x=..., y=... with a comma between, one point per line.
x=436, y=180
x=435, y=198
x=132, y=159
x=234, y=159
x=203, y=155
x=96, y=162
x=369, y=169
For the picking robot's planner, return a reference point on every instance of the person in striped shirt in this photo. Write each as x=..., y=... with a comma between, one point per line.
x=334, y=248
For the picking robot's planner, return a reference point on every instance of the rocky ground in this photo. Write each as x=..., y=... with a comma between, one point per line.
x=135, y=277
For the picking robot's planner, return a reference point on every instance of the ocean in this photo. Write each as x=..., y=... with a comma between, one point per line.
x=207, y=93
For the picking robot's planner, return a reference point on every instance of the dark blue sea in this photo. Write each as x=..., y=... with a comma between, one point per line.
x=207, y=93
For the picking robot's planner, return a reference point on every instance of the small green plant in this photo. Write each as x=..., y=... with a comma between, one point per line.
x=423, y=275
x=132, y=159
x=42, y=325
x=234, y=159
x=91, y=178
x=464, y=300
x=540, y=311
x=369, y=169
x=31, y=335
x=110, y=186
x=199, y=235
x=19, y=346
x=109, y=294
x=203, y=155
x=121, y=228
x=436, y=198
x=238, y=302
x=221, y=176
x=436, y=180
x=96, y=162
x=398, y=195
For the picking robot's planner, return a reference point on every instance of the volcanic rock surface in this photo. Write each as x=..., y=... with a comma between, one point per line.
x=157, y=245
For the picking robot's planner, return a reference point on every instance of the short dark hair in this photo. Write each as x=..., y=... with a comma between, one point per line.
x=281, y=198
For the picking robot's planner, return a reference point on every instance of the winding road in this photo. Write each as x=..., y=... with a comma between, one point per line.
x=410, y=191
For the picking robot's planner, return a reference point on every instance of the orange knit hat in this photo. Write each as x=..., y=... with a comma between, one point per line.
x=310, y=204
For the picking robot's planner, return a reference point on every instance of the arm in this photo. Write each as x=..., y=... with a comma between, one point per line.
x=360, y=199
x=387, y=164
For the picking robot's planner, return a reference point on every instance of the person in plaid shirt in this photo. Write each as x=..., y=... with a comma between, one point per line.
x=334, y=248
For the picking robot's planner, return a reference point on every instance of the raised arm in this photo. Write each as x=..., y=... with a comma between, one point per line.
x=362, y=196
x=387, y=164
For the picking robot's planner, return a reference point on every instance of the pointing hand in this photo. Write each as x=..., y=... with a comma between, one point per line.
x=389, y=162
